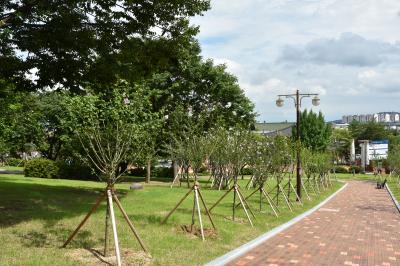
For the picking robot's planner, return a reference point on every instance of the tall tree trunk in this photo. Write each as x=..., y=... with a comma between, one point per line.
x=175, y=167
x=107, y=231
x=148, y=171
x=187, y=176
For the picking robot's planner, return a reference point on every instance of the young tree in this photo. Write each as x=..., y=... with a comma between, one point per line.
x=394, y=159
x=111, y=127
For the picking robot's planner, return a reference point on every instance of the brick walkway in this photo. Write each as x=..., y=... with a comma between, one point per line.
x=360, y=226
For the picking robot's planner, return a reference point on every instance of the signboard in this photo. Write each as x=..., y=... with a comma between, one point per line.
x=378, y=149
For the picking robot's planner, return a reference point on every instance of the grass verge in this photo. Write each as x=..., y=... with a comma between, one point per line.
x=37, y=215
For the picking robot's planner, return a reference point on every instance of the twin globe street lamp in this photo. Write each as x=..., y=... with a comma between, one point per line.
x=297, y=97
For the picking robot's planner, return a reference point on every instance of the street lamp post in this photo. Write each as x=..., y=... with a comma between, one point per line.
x=297, y=97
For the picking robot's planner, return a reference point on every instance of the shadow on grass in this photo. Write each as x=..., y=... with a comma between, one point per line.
x=25, y=202
x=22, y=202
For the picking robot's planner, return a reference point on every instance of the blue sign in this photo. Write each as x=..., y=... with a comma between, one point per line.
x=385, y=141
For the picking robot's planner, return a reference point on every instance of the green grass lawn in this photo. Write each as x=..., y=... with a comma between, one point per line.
x=37, y=215
x=357, y=177
x=394, y=185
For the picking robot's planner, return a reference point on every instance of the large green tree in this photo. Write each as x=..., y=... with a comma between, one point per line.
x=369, y=131
x=72, y=43
x=315, y=133
x=203, y=89
x=20, y=130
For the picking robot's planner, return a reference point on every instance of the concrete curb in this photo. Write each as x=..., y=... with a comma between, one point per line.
x=393, y=197
x=228, y=257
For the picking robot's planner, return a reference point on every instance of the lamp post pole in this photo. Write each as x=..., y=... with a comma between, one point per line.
x=297, y=97
x=298, y=150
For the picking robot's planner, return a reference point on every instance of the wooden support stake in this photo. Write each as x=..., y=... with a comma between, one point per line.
x=198, y=212
x=247, y=204
x=193, y=212
x=295, y=192
x=176, y=206
x=284, y=195
x=114, y=227
x=233, y=206
x=173, y=181
x=244, y=207
x=305, y=190
x=269, y=201
x=223, y=196
x=205, y=207
x=99, y=200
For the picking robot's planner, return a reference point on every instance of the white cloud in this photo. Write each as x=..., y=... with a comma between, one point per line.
x=367, y=74
x=386, y=82
x=347, y=51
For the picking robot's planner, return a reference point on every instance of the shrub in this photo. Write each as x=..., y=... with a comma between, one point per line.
x=15, y=162
x=341, y=170
x=203, y=170
x=247, y=171
x=356, y=169
x=163, y=172
x=138, y=171
x=40, y=167
x=75, y=170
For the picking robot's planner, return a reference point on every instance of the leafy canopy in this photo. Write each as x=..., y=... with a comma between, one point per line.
x=314, y=131
x=72, y=42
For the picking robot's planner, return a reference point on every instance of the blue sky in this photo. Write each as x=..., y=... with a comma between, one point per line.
x=348, y=51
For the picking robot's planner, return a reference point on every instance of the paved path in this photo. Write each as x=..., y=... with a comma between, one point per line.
x=15, y=172
x=360, y=226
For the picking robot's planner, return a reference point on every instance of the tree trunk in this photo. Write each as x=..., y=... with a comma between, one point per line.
x=148, y=171
x=175, y=167
x=107, y=231
x=187, y=176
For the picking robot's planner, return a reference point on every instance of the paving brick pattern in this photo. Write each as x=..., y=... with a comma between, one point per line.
x=359, y=226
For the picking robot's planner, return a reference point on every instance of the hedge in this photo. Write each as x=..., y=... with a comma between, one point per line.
x=42, y=168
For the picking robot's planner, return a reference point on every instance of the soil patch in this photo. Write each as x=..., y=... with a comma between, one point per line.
x=194, y=230
x=95, y=257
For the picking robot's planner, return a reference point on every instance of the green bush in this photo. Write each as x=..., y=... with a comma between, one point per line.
x=247, y=171
x=341, y=170
x=75, y=170
x=163, y=172
x=356, y=169
x=203, y=170
x=138, y=171
x=40, y=167
x=15, y=162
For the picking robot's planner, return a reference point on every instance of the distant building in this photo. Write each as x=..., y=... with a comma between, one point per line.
x=340, y=125
x=390, y=119
x=274, y=129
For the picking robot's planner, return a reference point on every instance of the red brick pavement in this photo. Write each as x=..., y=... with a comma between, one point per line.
x=360, y=226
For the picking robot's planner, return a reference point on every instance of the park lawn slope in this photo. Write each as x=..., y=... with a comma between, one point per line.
x=37, y=215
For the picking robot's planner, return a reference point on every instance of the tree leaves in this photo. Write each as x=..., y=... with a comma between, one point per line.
x=69, y=43
x=314, y=132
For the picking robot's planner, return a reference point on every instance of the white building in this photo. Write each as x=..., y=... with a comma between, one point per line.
x=391, y=119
